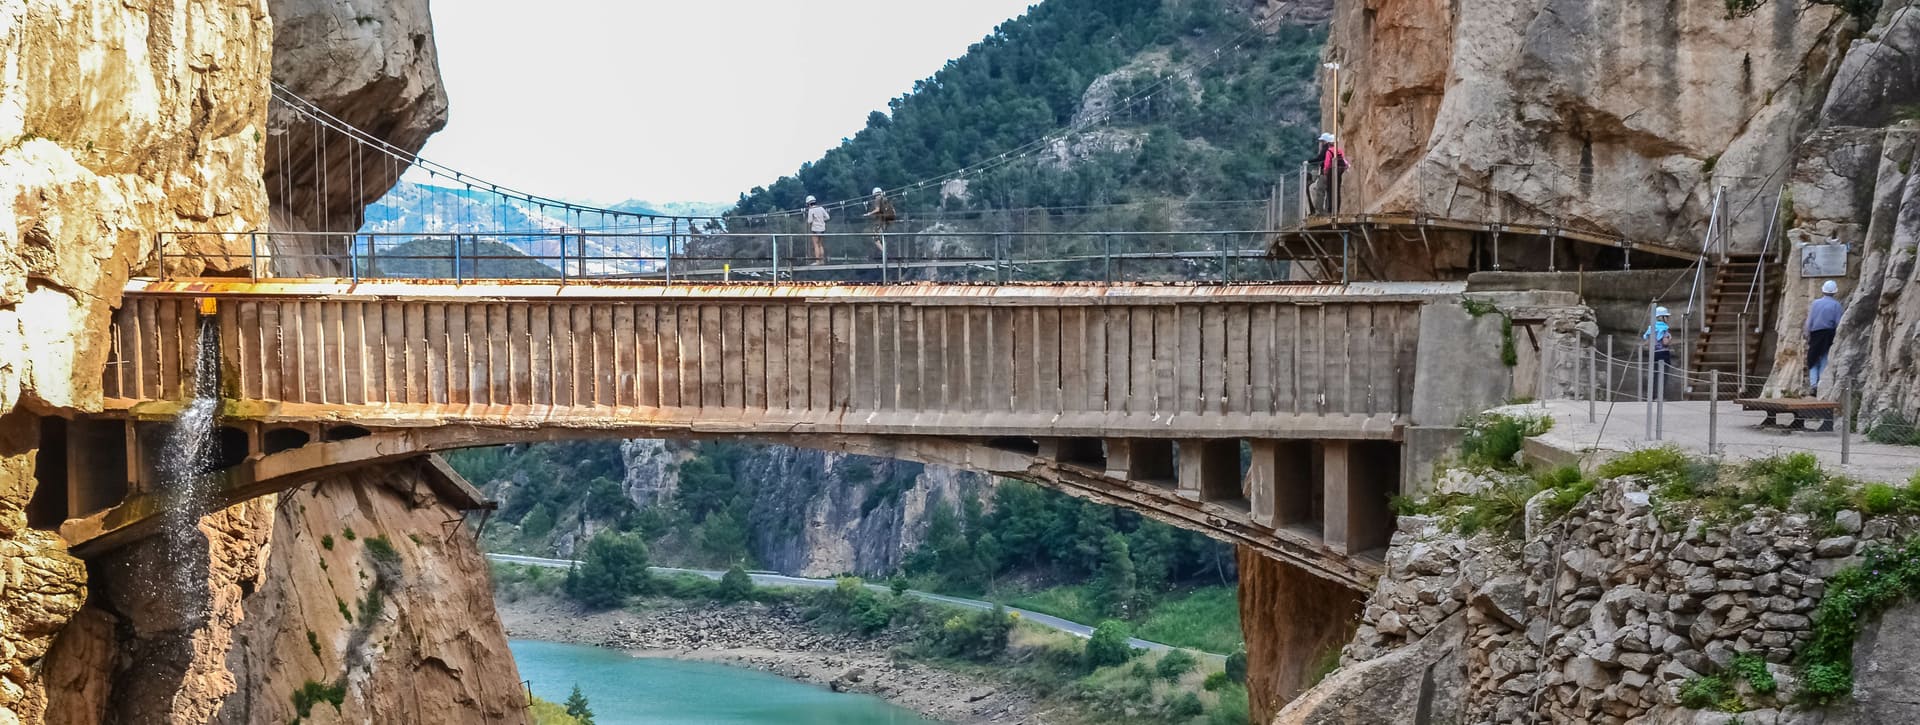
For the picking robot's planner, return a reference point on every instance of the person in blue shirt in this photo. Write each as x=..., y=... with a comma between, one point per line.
x=1661, y=335
x=1823, y=319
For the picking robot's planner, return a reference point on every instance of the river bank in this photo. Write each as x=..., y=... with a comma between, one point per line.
x=772, y=638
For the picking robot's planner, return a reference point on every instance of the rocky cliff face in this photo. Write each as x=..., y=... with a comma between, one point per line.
x=816, y=513
x=1619, y=117
x=127, y=120
x=119, y=121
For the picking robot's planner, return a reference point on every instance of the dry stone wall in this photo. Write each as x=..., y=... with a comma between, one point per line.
x=1601, y=616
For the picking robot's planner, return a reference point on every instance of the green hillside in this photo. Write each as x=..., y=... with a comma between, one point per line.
x=1184, y=122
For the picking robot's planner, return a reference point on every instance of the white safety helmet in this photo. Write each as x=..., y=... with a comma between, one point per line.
x=809, y=198
x=1327, y=137
x=1830, y=287
x=876, y=191
x=1660, y=312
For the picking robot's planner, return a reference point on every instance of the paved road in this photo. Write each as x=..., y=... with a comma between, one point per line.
x=779, y=580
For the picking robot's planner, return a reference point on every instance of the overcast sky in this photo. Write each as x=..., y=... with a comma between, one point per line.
x=678, y=100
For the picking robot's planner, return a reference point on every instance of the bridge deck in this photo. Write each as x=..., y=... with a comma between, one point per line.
x=1074, y=360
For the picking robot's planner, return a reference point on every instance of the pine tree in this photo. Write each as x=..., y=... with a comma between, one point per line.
x=1115, y=587
x=577, y=707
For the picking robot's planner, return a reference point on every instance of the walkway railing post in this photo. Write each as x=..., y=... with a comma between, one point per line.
x=580, y=254
x=456, y=260
x=1540, y=385
x=373, y=255
x=668, y=265
x=1713, y=414
x=353, y=259
x=1740, y=377
x=1346, y=257
x=563, y=258
x=883, y=258
x=253, y=255
x=776, y=257
x=1660, y=400
x=999, y=266
x=1593, y=381
x=1226, y=271
x=1644, y=356
x=1846, y=425
x=1612, y=393
x=1106, y=256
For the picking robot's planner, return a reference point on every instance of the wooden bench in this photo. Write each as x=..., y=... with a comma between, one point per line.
x=1802, y=410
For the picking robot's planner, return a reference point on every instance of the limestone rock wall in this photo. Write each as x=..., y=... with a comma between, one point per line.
x=1615, y=117
x=366, y=586
x=1599, y=617
x=117, y=121
x=1855, y=182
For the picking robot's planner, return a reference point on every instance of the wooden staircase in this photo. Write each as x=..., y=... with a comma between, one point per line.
x=1740, y=283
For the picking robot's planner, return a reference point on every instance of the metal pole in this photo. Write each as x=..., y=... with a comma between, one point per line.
x=1660, y=400
x=883, y=258
x=1346, y=257
x=1740, y=379
x=1612, y=394
x=353, y=260
x=1540, y=385
x=563, y=259
x=456, y=260
x=1644, y=355
x=253, y=252
x=1593, y=381
x=999, y=267
x=669, y=257
x=1226, y=271
x=1106, y=242
x=373, y=255
x=1846, y=425
x=580, y=254
x=776, y=257
x=1713, y=414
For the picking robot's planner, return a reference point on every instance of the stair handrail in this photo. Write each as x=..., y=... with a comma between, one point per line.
x=1754, y=288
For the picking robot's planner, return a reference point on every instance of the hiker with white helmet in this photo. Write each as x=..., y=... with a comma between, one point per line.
x=817, y=224
x=1332, y=161
x=1661, y=335
x=1823, y=319
x=880, y=210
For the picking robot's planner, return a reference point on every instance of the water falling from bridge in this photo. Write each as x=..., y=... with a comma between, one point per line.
x=184, y=466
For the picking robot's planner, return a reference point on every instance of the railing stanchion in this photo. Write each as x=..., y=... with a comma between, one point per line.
x=883, y=258
x=373, y=255
x=1613, y=394
x=580, y=254
x=1226, y=270
x=999, y=267
x=1740, y=377
x=775, y=253
x=1346, y=257
x=353, y=260
x=456, y=260
x=253, y=255
x=1593, y=381
x=563, y=258
x=1846, y=425
x=1713, y=414
x=1106, y=256
x=1660, y=400
x=669, y=255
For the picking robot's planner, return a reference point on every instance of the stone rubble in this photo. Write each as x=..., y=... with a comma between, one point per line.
x=1602, y=616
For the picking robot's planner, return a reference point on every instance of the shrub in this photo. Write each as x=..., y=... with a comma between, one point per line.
x=735, y=585
x=1492, y=440
x=1776, y=479
x=326, y=542
x=1174, y=664
x=980, y=635
x=1109, y=645
x=349, y=534
x=1236, y=667
x=1704, y=692
x=851, y=606
x=1231, y=707
x=1670, y=470
x=313, y=693
x=1752, y=668
x=1879, y=498
x=382, y=552
x=613, y=569
x=1215, y=681
x=1854, y=595
x=1184, y=706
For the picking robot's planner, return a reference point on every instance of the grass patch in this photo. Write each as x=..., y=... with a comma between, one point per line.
x=1492, y=441
x=313, y=642
x=383, y=552
x=1502, y=507
x=1206, y=619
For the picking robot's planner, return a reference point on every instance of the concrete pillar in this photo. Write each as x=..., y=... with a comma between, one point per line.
x=1210, y=470
x=1358, y=477
x=1281, y=483
x=1148, y=460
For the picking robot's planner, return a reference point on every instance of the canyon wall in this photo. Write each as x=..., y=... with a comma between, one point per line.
x=816, y=513
x=122, y=121
x=117, y=121
x=1615, y=117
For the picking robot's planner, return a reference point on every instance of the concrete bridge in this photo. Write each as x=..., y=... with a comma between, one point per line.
x=1275, y=416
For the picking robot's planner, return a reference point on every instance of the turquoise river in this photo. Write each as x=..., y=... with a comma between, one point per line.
x=626, y=690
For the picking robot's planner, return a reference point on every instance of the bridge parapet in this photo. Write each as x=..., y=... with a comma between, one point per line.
x=1271, y=416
